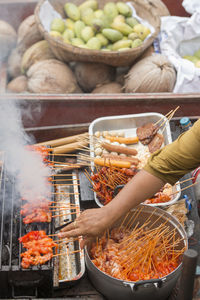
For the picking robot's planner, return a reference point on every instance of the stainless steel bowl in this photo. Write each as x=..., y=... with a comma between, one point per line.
x=158, y=289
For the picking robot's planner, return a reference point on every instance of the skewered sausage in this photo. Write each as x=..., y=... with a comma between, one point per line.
x=119, y=149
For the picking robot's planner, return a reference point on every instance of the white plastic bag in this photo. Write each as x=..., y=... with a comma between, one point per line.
x=181, y=36
x=191, y=6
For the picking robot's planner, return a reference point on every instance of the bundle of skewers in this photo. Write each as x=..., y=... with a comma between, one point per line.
x=40, y=247
x=136, y=251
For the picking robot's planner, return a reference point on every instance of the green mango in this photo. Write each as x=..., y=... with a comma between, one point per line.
x=97, y=25
x=110, y=10
x=124, y=49
x=87, y=16
x=122, y=44
x=69, y=24
x=72, y=11
x=112, y=34
x=93, y=4
x=78, y=27
x=94, y=44
x=133, y=36
x=98, y=14
x=102, y=38
x=131, y=21
x=197, y=64
x=56, y=34
x=191, y=58
x=142, y=31
x=68, y=34
x=118, y=19
x=136, y=43
x=122, y=27
x=77, y=42
x=197, y=54
x=57, y=25
x=124, y=9
x=87, y=33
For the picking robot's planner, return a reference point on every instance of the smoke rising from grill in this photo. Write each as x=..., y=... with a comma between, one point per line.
x=27, y=167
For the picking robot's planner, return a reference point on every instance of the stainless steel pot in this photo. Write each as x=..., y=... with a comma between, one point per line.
x=158, y=289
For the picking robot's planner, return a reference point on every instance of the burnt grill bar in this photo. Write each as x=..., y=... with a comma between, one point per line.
x=16, y=282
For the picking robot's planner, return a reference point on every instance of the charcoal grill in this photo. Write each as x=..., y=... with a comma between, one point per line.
x=15, y=281
x=37, y=281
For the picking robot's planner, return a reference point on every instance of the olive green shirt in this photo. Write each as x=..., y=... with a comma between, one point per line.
x=178, y=158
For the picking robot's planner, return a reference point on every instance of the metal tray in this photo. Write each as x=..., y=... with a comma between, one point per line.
x=70, y=267
x=129, y=124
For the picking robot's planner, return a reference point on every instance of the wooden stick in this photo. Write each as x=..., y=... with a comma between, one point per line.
x=62, y=141
x=65, y=184
x=165, y=116
x=66, y=214
x=180, y=182
x=67, y=179
x=67, y=253
x=184, y=188
x=69, y=147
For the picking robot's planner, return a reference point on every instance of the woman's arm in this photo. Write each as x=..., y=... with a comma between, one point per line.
x=166, y=165
x=94, y=221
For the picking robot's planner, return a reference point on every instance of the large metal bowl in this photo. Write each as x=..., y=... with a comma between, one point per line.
x=158, y=289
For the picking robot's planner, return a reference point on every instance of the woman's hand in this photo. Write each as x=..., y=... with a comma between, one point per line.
x=90, y=223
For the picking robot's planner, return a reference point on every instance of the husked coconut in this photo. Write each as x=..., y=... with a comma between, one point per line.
x=90, y=75
x=17, y=85
x=153, y=74
x=109, y=88
x=14, y=63
x=8, y=37
x=51, y=76
x=28, y=34
x=38, y=51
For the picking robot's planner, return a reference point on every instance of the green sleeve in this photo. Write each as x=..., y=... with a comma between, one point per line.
x=178, y=158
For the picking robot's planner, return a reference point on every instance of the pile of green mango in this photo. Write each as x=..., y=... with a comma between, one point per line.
x=195, y=58
x=109, y=29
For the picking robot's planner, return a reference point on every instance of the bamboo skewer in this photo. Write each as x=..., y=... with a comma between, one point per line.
x=67, y=253
x=180, y=182
x=62, y=141
x=165, y=116
x=183, y=189
x=66, y=184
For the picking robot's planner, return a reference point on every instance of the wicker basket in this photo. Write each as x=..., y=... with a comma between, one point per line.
x=67, y=53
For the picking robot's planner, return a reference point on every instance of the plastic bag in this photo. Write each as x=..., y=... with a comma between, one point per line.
x=180, y=36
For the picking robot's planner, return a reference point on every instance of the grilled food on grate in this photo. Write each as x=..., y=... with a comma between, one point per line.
x=39, y=248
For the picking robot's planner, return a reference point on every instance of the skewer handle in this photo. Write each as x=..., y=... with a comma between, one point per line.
x=68, y=148
x=186, y=283
x=63, y=141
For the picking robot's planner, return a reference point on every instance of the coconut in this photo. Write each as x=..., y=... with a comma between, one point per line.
x=28, y=34
x=51, y=76
x=153, y=74
x=109, y=88
x=89, y=75
x=14, y=63
x=17, y=85
x=38, y=51
x=8, y=37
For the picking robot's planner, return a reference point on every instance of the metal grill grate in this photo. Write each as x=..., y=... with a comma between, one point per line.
x=15, y=281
